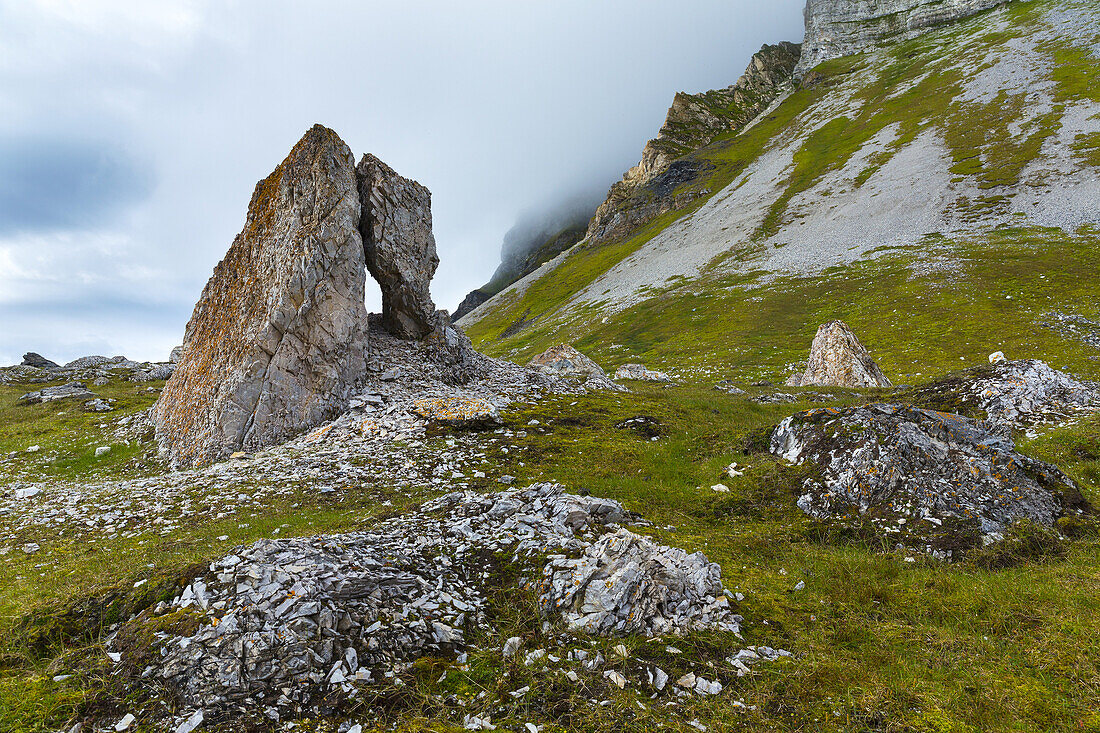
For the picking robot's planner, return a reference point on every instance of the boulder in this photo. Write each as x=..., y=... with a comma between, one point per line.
x=838, y=359
x=565, y=361
x=70, y=391
x=639, y=372
x=38, y=361
x=174, y=357
x=278, y=341
x=1010, y=394
x=457, y=411
x=396, y=228
x=931, y=480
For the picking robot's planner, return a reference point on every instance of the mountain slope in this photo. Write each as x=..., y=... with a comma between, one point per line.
x=938, y=193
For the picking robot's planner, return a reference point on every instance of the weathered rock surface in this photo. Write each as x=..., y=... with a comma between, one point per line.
x=290, y=622
x=38, y=361
x=640, y=373
x=565, y=362
x=396, y=227
x=70, y=391
x=278, y=340
x=838, y=359
x=836, y=28
x=1011, y=394
x=627, y=583
x=932, y=480
x=456, y=411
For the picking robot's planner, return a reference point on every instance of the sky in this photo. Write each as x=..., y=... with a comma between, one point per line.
x=133, y=132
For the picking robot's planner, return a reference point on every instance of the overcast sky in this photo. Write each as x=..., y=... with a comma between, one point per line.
x=133, y=132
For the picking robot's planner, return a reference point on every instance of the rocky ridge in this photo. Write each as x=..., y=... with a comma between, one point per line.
x=656, y=184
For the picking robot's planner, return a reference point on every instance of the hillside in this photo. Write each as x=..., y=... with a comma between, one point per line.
x=938, y=193
x=317, y=520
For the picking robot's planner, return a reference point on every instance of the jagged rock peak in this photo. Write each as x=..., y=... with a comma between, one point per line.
x=836, y=28
x=278, y=340
x=693, y=121
x=396, y=227
x=838, y=359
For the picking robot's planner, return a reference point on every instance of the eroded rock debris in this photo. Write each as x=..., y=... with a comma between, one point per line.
x=286, y=623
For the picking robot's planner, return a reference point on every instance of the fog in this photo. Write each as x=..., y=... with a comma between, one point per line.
x=134, y=132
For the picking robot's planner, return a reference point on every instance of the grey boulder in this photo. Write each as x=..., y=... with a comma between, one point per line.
x=396, y=228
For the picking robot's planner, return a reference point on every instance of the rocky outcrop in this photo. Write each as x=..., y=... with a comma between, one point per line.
x=396, y=227
x=70, y=391
x=838, y=359
x=836, y=28
x=38, y=361
x=565, y=362
x=657, y=184
x=278, y=340
x=473, y=299
x=1010, y=394
x=931, y=480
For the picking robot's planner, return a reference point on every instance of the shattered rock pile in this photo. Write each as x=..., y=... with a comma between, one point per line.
x=639, y=372
x=931, y=480
x=287, y=621
x=1011, y=394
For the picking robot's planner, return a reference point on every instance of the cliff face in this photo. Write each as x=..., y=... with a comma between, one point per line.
x=649, y=189
x=836, y=28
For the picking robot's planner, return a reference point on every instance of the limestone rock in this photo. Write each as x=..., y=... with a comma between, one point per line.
x=565, y=361
x=1011, y=394
x=838, y=359
x=278, y=340
x=836, y=28
x=38, y=361
x=176, y=355
x=70, y=391
x=456, y=411
x=932, y=480
x=640, y=373
x=396, y=227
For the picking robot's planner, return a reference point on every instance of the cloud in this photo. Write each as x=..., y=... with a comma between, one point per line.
x=57, y=183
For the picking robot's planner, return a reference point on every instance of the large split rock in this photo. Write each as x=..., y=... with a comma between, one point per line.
x=278, y=340
x=400, y=248
x=838, y=359
x=932, y=480
x=285, y=624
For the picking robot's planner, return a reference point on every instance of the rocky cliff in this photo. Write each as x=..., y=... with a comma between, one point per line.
x=836, y=28
x=657, y=183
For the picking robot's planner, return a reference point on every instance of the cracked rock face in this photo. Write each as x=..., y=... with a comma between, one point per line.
x=278, y=341
x=838, y=359
x=836, y=28
x=400, y=248
x=927, y=478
